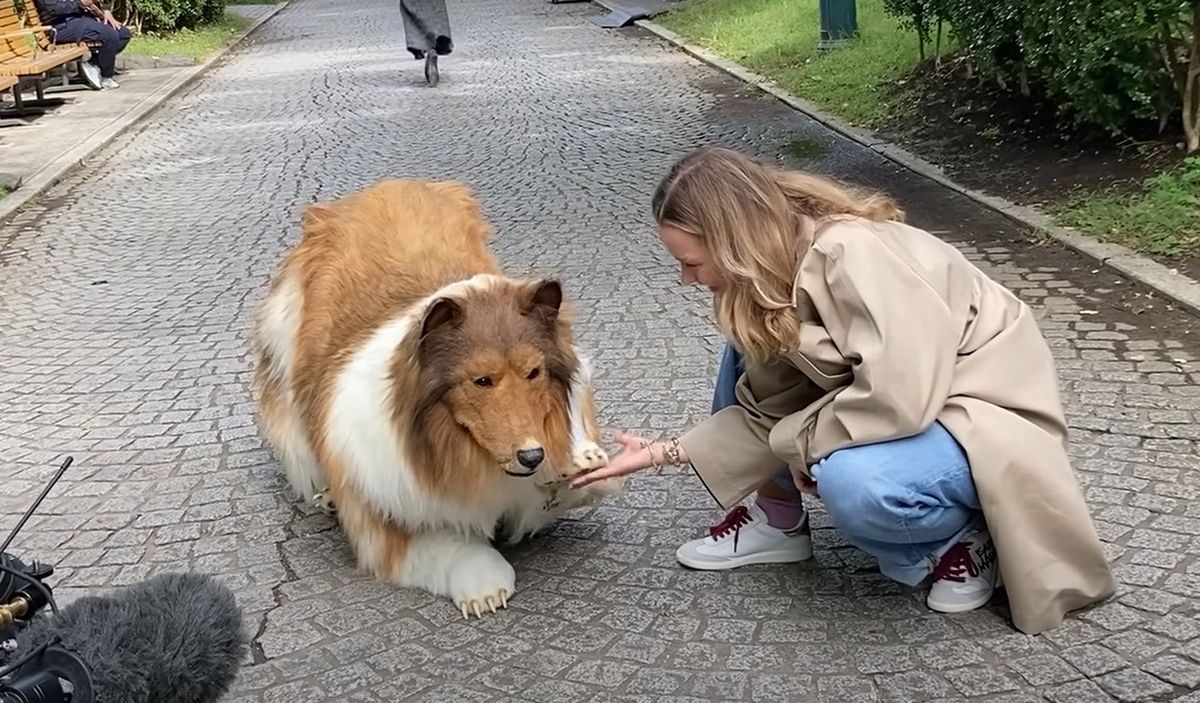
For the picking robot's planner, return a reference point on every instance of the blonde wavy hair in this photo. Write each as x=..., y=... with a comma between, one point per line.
x=757, y=222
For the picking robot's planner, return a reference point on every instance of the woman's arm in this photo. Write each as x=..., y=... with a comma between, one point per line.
x=897, y=332
x=730, y=451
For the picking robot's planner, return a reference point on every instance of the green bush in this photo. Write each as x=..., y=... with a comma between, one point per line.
x=161, y=16
x=1103, y=63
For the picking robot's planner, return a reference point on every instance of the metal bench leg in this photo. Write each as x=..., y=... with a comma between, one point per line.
x=22, y=107
x=41, y=103
x=13, y=121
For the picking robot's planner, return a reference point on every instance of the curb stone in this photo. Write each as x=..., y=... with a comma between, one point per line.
x=60, y=167
x=1166, y=281
x=134, y=62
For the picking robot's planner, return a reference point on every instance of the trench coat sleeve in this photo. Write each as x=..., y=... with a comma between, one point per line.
x=730, y=450
x=898, y=334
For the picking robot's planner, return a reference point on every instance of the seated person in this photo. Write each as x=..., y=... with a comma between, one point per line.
x=87, y=21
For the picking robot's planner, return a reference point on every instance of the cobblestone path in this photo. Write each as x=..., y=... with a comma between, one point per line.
x=123, y=303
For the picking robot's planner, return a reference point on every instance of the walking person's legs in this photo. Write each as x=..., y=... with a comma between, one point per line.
x=427, y=33
x=773, y=529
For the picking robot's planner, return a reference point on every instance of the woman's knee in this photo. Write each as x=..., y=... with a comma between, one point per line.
x=856, y=493
x=877, y=488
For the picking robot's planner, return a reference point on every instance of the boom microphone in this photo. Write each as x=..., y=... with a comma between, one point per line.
x=173, y=638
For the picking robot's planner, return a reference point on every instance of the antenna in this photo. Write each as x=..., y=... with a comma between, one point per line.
x=36, y=503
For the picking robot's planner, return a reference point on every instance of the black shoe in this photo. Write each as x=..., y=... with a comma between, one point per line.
x=431, y=69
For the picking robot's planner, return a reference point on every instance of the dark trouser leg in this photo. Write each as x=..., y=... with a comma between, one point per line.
x=88, y=29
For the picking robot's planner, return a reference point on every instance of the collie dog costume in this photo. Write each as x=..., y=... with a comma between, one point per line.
x=431, y=397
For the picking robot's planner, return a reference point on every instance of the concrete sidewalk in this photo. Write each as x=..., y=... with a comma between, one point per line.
x=27, y=150
x=35, y=155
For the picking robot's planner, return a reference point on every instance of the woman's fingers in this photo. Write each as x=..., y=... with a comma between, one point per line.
x=624, y=463
x=634, y=457
x=615, y=468
x=629, y=442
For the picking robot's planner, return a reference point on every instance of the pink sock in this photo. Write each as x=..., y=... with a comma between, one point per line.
x=781, y=514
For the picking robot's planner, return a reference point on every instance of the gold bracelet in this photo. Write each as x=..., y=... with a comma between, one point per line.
x=671, y=454
x=673, y=451
x=653, y=462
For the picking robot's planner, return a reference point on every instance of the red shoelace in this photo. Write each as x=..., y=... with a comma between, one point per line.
x=957, y=565
x=733, y=522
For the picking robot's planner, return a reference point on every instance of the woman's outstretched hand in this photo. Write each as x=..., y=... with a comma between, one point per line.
x=633, y=457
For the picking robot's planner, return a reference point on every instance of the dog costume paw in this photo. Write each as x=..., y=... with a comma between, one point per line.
x=482, y=582
x=480, y=606
x=589, y=457
x=324, y=502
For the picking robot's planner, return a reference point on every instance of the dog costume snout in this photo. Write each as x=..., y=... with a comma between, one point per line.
x=531, y=458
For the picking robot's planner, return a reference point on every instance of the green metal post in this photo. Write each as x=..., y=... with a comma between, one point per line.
x=839, y=23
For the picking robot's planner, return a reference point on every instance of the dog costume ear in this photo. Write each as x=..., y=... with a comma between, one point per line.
x=546, y=298
x=440, y=312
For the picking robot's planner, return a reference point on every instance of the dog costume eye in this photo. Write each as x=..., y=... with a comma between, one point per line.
x=534, y=374
x=484, y=382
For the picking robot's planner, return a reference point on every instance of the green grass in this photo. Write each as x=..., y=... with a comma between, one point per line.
x=778, y=38
x=196, y=44
x=1162, y=218
x=805, y=148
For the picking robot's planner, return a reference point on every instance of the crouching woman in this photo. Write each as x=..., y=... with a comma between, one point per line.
x=872, y=365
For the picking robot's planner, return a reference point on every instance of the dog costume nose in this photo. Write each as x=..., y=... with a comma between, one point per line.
x=531, y=458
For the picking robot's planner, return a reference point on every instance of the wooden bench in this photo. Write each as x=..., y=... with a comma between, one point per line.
x=45, y=40
x=25, y=57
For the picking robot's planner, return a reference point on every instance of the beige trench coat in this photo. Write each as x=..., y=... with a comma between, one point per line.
x=898, y=330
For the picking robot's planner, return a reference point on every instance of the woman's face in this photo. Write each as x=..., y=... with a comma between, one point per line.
x=694, y=262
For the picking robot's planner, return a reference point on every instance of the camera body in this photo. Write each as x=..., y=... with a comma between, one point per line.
x=47, y=674
x=23, y=592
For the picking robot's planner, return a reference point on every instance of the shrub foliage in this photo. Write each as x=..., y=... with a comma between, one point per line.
x=161, y=16
x=1103, y=63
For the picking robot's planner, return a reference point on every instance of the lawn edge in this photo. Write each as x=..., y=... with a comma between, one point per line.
x=1166, y=281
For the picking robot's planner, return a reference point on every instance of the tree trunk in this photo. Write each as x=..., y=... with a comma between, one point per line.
x=919, y=23
x=1181, y=56
x=1191, y=89
x=937, y=47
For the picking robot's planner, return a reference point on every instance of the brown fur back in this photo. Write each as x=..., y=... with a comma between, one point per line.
x=369, y=256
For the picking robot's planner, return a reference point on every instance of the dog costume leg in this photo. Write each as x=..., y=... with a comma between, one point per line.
x=466, y=569
x=586, y=452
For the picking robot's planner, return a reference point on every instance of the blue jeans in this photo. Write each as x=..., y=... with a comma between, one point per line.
x=904, y=501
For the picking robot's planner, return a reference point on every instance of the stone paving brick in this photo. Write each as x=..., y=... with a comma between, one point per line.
x=123, y=310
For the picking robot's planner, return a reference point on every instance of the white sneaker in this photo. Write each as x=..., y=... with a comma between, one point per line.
x=966, y=576
x=744, y=538
x=91, y=74
x=109, y=84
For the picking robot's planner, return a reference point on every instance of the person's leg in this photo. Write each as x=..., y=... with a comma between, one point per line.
x=773, y=529
x=728, y=372
x=89, y=29
x=78, y=29
x=911, y=504
x=110, y=45
x=124, y=34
